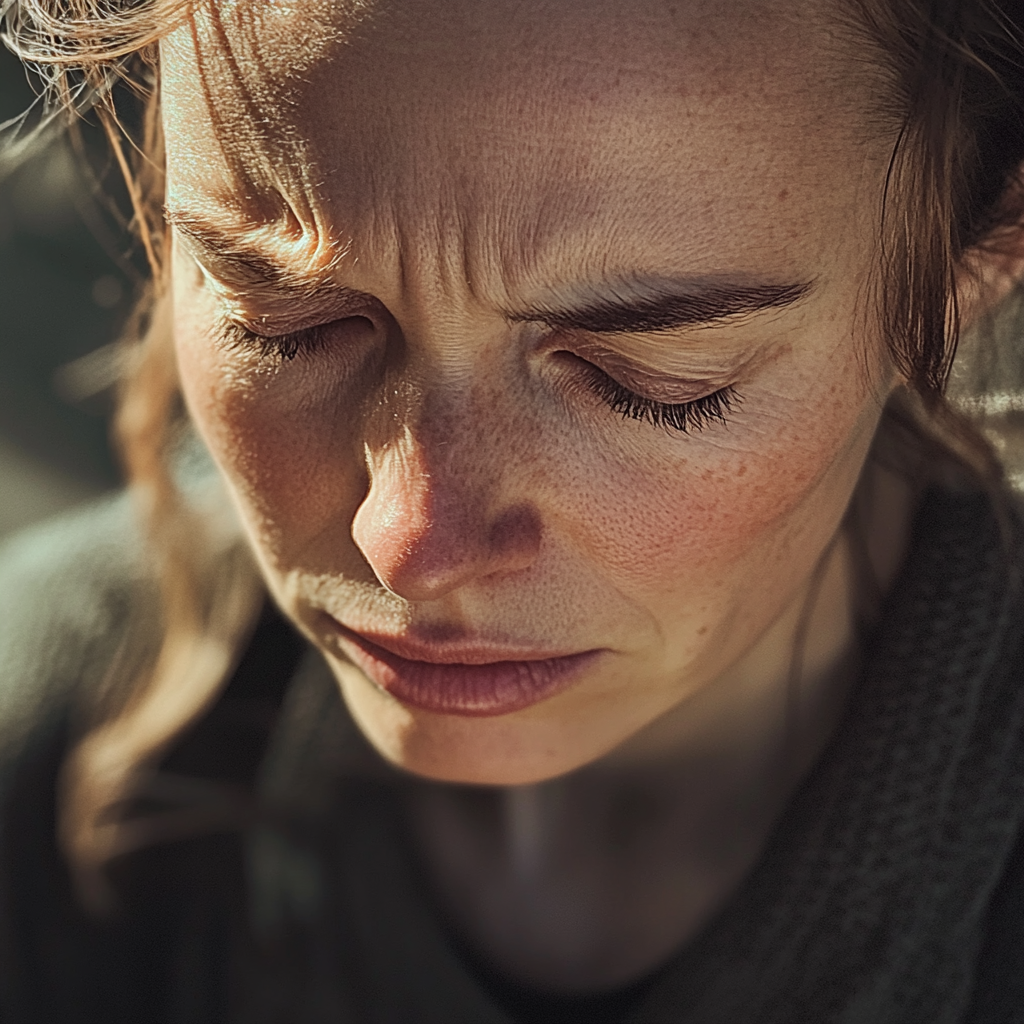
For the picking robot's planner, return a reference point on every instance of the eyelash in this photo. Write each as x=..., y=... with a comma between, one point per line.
x=684, y=417
x=283, y=347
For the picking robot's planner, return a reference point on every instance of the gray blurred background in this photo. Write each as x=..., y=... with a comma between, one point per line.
x=66, y=282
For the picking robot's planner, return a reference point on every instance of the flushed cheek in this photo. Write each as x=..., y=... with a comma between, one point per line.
x=768, y=494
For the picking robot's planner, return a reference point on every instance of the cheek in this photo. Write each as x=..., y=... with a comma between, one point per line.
x=765, y=491
x=281, y=437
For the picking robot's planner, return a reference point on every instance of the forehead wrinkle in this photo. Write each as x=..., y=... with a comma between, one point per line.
x=486, y=242
x=499, y=220
x=503, y=257
x=506, y=241
x=442, y=253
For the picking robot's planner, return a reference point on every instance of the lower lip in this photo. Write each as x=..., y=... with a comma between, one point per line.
x=475, y=691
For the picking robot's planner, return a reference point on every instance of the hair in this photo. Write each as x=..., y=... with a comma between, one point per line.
x=954, y=90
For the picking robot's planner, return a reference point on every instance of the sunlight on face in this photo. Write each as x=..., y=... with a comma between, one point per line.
x=581, y=383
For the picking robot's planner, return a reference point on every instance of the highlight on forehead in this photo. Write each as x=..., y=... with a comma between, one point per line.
x=265, y=65
x=239, y=62
x=284, y=38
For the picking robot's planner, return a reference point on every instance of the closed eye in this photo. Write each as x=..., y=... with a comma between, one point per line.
x=687, y=417
x=280, y=347
x=684, y=417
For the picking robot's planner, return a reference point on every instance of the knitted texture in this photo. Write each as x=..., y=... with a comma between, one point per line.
x=871, y=901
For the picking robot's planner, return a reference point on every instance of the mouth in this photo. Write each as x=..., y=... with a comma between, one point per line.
x=467, y=680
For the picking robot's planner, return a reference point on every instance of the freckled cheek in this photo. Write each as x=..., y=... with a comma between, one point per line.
x=678, y=527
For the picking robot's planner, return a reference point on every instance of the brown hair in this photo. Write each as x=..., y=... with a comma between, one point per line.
x=955, y=76
x=209, y=591
x=954, y=96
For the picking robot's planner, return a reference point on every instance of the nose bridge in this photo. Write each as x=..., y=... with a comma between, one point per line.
x=442, y=508
x=431, y=425
x=447, y=399
x=426, y=480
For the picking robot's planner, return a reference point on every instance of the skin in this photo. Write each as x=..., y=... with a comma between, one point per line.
x=440, y=469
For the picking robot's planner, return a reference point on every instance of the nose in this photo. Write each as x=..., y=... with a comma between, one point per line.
x=426, y=529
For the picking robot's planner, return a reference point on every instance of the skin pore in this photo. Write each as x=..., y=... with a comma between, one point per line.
x=464, y=220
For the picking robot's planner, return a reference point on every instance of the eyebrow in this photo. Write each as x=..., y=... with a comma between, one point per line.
x=623, y=307
x=244, y=264
x=666, y=305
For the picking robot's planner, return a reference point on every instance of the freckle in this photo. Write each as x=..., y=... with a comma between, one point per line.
x=742, y=470
x=783, y=195
x=702, y=630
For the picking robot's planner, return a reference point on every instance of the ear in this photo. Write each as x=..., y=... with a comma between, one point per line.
x=992, y=268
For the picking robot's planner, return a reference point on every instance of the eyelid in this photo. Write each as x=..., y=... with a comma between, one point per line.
x=270, y=312
x=298, y=317
x=659, y=384
x=276, y=348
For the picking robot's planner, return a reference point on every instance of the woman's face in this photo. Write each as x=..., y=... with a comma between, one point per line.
x=574, y=372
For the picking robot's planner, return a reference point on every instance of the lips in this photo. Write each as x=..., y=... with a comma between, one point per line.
x=467, y=680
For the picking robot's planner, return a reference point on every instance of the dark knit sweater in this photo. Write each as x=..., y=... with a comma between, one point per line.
x=891, y=890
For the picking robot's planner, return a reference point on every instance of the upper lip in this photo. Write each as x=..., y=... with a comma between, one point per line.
x=464, y=651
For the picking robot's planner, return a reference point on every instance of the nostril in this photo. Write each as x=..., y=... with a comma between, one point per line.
x=515, y=537
x=422, y=556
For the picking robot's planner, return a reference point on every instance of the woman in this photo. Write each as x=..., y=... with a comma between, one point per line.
x=648, y=643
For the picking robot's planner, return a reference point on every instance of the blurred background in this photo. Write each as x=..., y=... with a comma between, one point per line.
x=66, y=282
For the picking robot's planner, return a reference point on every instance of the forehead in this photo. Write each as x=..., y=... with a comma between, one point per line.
x=523, y=124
